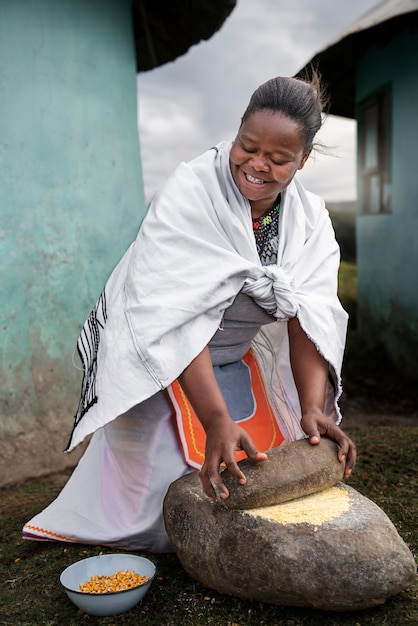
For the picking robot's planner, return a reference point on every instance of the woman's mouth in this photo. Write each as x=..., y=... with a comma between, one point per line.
x=253, y=180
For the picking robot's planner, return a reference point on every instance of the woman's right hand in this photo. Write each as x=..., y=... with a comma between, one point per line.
x=223, y=438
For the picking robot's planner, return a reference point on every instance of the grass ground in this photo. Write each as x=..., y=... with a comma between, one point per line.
x=30, y=594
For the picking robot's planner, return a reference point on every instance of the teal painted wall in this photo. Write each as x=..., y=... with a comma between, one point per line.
x=71, y=193
x=387, y=245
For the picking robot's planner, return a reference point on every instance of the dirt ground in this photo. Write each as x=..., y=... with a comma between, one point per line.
x=378, y=398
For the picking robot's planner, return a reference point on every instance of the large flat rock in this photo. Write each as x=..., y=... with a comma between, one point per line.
x=332, y=550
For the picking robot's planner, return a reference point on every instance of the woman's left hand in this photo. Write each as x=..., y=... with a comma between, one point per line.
x=316, y=425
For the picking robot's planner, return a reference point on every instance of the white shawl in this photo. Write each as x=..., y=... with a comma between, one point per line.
x=194, y=252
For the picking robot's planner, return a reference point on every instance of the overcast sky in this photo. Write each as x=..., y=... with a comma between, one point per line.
x=187, y=106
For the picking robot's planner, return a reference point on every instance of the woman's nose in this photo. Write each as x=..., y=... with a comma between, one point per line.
x=259, y=163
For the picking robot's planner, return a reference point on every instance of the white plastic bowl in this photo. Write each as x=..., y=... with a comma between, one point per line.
x=106, y=564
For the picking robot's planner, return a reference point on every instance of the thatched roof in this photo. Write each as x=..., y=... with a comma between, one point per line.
x=337, y=63
x=166, y=30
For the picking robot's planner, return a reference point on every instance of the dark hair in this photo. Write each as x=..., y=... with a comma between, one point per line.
x=302, y=100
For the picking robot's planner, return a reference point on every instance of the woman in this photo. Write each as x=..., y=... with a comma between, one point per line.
x=224, y=309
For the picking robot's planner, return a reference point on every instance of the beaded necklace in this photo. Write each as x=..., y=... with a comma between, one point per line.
x=266, y=228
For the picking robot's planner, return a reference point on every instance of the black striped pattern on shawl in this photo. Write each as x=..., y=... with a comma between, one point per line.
x=88, y=347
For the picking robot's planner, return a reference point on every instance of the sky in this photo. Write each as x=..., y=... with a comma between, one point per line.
x=192, y=103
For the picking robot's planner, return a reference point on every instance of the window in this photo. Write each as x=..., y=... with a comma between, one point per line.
x=375, y=152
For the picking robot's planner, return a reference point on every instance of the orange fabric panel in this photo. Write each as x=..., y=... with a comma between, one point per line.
x=262, y=426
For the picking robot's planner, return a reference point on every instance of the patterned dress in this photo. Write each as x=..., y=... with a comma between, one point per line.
x=266, y=233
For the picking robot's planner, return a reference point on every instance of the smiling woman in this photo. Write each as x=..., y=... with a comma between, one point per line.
x=265, y=156
x=275, y=138
x=218, y=335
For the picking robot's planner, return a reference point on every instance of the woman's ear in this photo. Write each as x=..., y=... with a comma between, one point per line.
x=304, y=158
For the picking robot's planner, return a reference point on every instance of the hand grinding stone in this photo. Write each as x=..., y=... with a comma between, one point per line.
x=291, y=471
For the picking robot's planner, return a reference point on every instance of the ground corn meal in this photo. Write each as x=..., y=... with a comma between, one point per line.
x=119, y=581
x=314, y=509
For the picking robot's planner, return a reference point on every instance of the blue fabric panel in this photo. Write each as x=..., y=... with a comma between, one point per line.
x=234, y=380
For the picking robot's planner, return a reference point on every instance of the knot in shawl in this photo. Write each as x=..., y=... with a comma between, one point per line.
x=273, y=291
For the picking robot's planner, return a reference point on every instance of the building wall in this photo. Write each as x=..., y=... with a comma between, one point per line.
x=387, y=245
x=71, y=200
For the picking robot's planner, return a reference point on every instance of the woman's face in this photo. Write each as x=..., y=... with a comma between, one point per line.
x=266, y=154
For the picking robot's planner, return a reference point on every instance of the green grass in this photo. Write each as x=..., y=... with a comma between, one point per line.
x=347, y=290
x=30, y=594
x=344, y=223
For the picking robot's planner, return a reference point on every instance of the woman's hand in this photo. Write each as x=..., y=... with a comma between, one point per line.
x=316, y=425
x=223, y=435
x=310, y=372
x=223, y=438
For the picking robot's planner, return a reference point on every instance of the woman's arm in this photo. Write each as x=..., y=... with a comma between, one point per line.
x=310, y=372
x=223, y=435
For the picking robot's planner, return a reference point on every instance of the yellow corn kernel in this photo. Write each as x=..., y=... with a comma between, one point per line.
x=119, y=581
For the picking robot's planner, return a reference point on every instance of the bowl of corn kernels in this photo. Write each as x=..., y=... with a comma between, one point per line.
x=108, y=584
